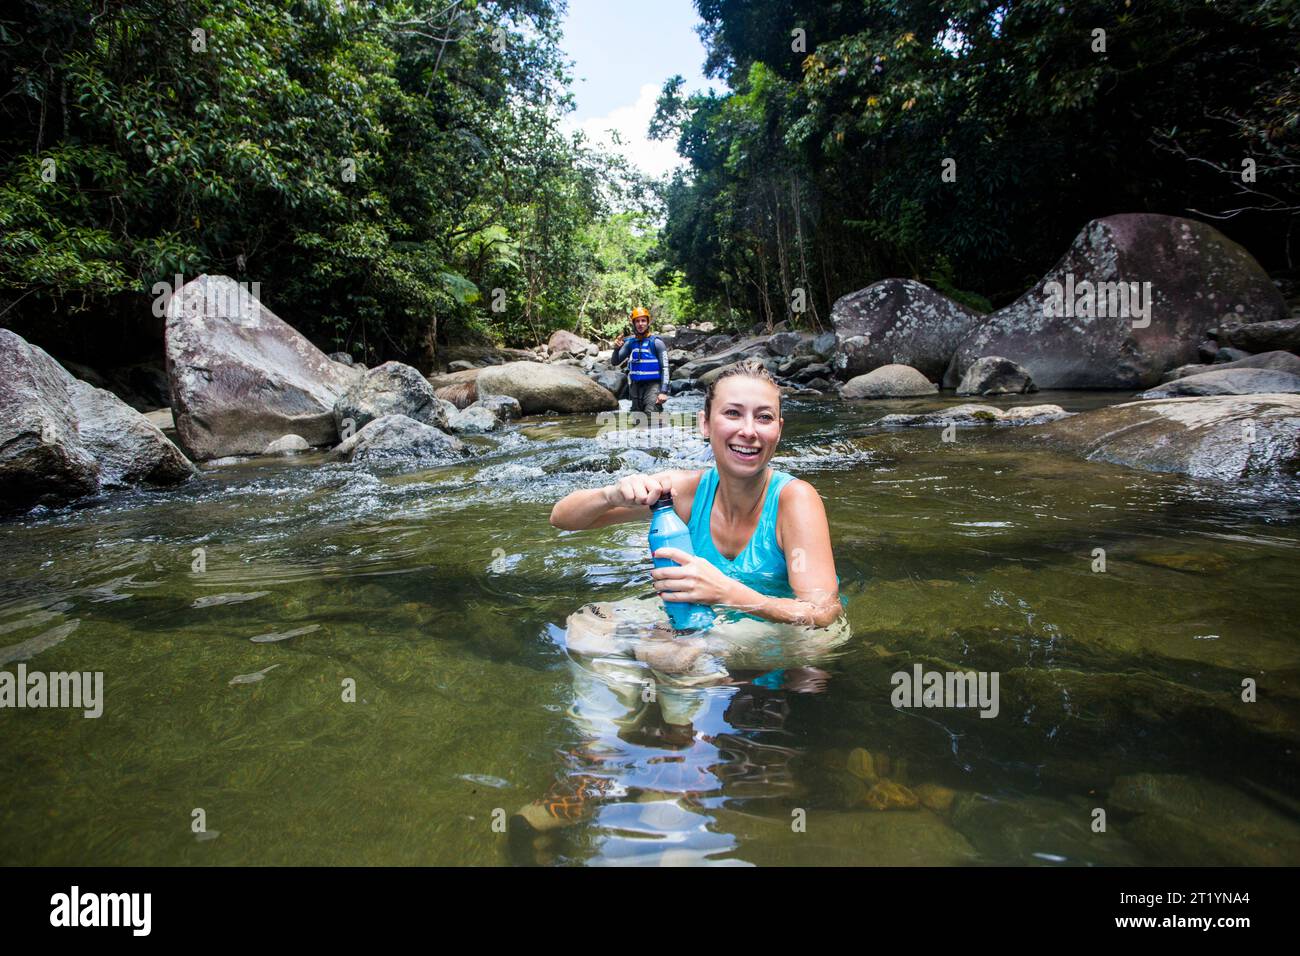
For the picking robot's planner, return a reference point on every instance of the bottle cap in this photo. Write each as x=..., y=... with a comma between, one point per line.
x=665, y=500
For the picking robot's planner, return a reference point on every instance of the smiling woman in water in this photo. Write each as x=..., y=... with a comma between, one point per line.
x=745, y=518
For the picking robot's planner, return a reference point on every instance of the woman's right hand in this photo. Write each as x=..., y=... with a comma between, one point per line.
x=636, y=491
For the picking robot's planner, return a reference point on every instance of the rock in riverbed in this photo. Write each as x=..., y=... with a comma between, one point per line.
x=61, y=438
x=974, y=414
x=995, y=375
x=1189, y=277
x=1234, y=438
x=390, y=389
x=540, y=387
x=1236, y=381
x=241, y=377
x=396, y=437
x=898, y=322
x=889, y=381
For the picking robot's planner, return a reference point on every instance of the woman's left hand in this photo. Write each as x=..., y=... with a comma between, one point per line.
x=693, y=580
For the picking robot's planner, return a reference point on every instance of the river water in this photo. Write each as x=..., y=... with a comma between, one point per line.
x=438, y=598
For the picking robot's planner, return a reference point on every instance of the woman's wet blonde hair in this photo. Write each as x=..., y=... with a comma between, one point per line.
x=750, y=368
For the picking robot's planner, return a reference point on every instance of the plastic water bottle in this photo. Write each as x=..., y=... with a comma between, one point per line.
x=669, y=531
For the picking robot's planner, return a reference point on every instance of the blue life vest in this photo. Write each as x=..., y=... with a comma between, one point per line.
x=643, y=361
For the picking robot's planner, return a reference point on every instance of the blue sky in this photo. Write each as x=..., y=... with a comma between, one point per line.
x=623, y=51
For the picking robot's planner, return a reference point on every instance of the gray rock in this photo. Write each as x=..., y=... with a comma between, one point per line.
x=715, y=342
x=61, y=438
x=504, y=407
x=389, y=389
x=539, y=387
x=287, y=445
x=460, y=365
x=343, y=358
x=240, y=378
x=678, y=357
x=823, y=346
x=1234, y=381
x=1196, y=276
x=613, y=381
x=473, y=420
x=787, y=343
x=1264, y=336
x=128, y=447
x=995, y=375
x=1233, y=438
x=576, y=345
x=396, y=437
x=1227, y=354
x=1280, y=361
x=810, y=372
x=889, y=381
x=975, y=414
x=42, y=459
x=898, y=321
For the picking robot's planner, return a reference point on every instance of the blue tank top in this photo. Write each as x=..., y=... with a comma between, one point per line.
x=761, y=565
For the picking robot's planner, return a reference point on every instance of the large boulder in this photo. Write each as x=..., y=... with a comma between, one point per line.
x=1234, y=381
x=540, y=387
x=1281, y=334
x=61, y=438
x=1082, y=327
x=889, y=381
x=995, y=375
x=565, y=341
x=129, y=448
x=1279, y=361
x=241, y=377
x=389, y=389
x=898, y=321
x=396, y=438
x=1252, y=438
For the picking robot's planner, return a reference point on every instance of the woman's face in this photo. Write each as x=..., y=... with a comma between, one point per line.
x=743, y=427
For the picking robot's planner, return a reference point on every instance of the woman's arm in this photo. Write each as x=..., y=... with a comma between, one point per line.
x=806, y=540
x=625, y=500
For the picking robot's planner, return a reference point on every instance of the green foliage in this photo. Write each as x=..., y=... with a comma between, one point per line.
x=380, y=167
x=822, y=168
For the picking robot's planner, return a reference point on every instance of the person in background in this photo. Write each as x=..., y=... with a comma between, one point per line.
x=647, y=367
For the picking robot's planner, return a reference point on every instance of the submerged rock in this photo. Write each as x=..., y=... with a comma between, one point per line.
x=1189, y=277
x=898, y=322
x=242, y=377
x=1193, y=821
x=396, y=437
x=1232, y=438
x=889, y=381
x=1235, y=381
x=975, y=414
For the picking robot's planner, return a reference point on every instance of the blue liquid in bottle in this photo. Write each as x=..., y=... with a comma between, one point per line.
x=669, y=531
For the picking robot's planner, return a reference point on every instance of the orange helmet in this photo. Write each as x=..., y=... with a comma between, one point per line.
x=639, y=311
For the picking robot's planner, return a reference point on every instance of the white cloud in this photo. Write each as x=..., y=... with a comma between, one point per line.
x=654, y=158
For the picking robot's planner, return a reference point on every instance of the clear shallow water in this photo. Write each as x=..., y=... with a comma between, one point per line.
x=443, y=593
